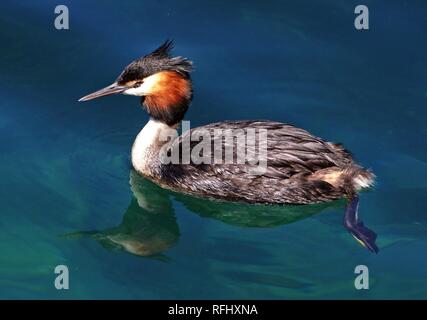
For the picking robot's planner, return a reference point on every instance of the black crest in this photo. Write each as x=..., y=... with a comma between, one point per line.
x=158, y=60
x=163, y=51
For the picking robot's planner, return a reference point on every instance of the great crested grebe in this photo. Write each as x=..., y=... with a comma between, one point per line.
x=300, y=167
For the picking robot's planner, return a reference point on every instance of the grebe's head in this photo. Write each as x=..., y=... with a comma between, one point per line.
x=162, y=81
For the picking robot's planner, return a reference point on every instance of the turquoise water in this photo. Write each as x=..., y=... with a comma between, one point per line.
x=67, y=188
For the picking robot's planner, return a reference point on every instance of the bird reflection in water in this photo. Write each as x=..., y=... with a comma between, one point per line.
x=149, y=225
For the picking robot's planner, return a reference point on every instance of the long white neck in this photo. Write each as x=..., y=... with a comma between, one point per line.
x=147, y=146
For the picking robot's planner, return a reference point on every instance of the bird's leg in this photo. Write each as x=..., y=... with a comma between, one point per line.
x=353, y=225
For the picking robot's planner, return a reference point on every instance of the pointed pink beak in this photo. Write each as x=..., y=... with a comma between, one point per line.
x=111, y=89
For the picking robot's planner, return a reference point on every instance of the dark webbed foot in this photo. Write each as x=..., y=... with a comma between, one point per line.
x=362, y=234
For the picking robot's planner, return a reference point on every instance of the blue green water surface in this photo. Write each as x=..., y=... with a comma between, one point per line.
x=67, y=189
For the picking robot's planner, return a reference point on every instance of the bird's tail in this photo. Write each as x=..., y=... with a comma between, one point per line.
x=353, y=178
x=361, y=178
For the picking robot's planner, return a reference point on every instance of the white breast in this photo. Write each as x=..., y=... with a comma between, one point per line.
x=148, y=143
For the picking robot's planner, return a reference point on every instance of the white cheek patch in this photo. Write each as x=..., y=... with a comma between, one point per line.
x=145, y=88
x=138, y=91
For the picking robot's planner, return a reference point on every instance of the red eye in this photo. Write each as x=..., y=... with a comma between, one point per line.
x=137, y=84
